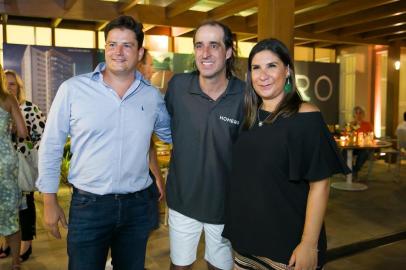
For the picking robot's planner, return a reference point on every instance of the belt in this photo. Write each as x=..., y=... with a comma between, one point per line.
x=116, y=195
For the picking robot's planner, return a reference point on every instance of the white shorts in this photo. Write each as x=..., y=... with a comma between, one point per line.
x=184, y=236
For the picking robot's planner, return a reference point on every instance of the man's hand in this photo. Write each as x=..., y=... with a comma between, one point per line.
x=53, y=214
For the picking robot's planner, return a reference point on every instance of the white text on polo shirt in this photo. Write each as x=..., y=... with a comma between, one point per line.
x=229, y=120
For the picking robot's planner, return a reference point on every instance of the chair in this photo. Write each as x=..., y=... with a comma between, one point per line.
x=393, y=155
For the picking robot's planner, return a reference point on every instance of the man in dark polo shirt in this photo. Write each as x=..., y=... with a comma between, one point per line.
x=206, y=110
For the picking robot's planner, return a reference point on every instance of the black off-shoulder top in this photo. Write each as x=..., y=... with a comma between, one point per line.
x=267, y=193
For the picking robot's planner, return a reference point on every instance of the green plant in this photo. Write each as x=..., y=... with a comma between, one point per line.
x=67, y=155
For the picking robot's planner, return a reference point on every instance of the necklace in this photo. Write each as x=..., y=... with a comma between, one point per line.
x=261, y=123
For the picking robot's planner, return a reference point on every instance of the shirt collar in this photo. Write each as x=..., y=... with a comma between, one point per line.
x=230, y=90
x=97, y=74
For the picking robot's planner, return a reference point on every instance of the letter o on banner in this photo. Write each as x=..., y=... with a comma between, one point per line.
x=316, y=88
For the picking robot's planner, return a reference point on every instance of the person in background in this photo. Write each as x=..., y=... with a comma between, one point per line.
x=35, y=122
x=278, y=190
x=401, y=132
x=359, y=125
x=110, y=115
x=10, y=195
x=146, y=65
x=206, y=111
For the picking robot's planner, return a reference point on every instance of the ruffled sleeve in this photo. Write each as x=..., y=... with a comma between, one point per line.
x=312, y=152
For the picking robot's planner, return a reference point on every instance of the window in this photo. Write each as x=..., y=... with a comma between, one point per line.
x=19, y=34
x=43, y=36
x=74, y=38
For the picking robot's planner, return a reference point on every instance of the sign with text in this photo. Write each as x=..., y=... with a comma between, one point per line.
x=318, y=83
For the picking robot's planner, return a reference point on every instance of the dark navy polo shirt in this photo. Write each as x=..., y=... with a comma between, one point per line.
x=203, y=131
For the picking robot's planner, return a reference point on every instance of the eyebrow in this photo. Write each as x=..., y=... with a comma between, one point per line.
x=210, y=42
x=269, y=63
x=125, y=42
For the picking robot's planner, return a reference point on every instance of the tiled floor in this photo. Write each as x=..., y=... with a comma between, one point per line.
x=351, y=217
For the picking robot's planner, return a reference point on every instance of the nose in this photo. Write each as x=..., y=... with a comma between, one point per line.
x=206, y=51
x=118, y=49
x=263, y=75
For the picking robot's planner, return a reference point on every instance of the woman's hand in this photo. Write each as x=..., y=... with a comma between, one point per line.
x=304, y=257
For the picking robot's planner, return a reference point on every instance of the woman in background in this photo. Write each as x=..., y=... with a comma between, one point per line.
x=35, y=122
x=10, y=195
x=278, y=190
x=359, y=125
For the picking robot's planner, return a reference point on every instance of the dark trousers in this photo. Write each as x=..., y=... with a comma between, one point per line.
x=360, y=156
x=28, y=219
x=120, y=222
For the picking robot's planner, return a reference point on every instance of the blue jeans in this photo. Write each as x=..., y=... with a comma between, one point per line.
x=121, y=222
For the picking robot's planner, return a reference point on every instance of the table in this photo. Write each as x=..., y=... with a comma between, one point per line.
x=349, y=185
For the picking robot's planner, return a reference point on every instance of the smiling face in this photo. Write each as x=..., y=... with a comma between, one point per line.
x=268, y=76
x=122, y=53
x=210, y=51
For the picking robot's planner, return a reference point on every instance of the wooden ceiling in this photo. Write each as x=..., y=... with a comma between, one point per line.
x=318, y=23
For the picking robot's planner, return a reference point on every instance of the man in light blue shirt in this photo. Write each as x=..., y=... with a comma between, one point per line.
x=110, y=115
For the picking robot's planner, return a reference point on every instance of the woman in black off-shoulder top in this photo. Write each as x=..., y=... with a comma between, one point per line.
x=278, y=190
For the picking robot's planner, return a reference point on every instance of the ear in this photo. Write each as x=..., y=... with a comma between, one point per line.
x=140, y=53
x=287, y=71
x=229, y=52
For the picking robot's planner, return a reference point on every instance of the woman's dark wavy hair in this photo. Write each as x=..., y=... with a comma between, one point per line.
x=126, y=22
x=290, y=102
x=228, y=43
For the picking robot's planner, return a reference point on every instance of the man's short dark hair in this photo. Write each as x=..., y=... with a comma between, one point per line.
x=228, y=43
x=126, y=22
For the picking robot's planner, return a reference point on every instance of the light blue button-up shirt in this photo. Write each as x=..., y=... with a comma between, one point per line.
x=110, y=136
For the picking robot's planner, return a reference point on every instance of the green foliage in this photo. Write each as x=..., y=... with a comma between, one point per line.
x=67, y=155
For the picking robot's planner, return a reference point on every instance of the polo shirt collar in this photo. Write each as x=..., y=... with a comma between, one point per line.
x=195, y=88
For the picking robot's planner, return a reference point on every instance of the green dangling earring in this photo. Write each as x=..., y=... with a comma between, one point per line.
x=288, y=86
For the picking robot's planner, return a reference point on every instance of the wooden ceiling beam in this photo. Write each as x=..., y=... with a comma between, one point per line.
x=179, y=31
x=230, y=8
x=237, y=25
x=29, y=22
x=4, y=18
x=303, y=5
x=68, y=4
x=374, y=25
x=156, y=15
x=397, y=38
x=385, y=32
x=303, y=42
x=83, y=9
x=179, y=6
x=83, y=25
x=254, y=39
x=331, y=38
x=372, y=14
x=160, y=31
x=340, y=8
x=123, y=7
x=245, y=37
x=322, y=44
x=101, y=25
x=55, y=22
x=252, y=20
